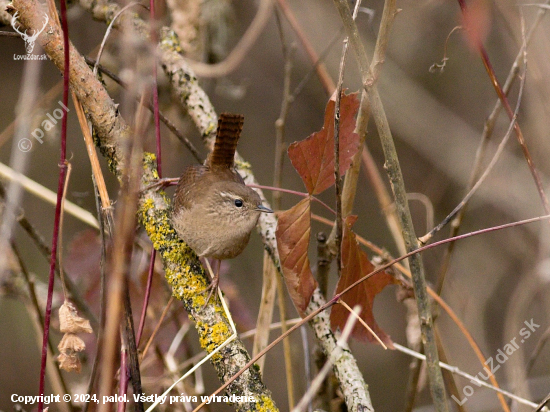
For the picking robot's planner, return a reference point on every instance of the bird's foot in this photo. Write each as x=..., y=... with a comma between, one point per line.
x=211, y=289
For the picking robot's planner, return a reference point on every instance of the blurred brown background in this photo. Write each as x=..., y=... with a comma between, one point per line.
x=495, y=282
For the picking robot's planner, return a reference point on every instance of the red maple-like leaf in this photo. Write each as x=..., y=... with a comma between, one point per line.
x=355, y=265
x=313, y=158
x=292, y=234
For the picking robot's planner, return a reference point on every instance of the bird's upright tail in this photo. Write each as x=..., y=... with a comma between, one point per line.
x=229, y=130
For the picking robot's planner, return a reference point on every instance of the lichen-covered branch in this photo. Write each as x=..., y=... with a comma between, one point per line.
x=183, y=269
x=186, y=276
x=353, y=385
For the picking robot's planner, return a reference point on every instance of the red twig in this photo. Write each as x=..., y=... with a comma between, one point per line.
x=294, y=192
x=502, y=97
x=123, y=386
x=60, y=186
x=321, y=70
x=147, y=294
x=154, y=40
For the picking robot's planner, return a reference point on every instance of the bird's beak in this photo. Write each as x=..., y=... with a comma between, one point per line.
x=262, y=208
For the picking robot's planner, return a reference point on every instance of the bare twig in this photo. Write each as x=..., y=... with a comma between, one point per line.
x=240, y=51
x=167, y=122
x=457, y=371
x=60, y=254
x=441, y=66
x=108, y=32
x=320, y=68
x=484, y=141
x=157, y=327
x=267, y=303
x=54, y=373
x=426, y=238
x=437, y=386
x=47, y=195
x=279, y=157
x=435, y=296
x=504, y=100
x=352, y=175
x=340, y=347
x=60, y=191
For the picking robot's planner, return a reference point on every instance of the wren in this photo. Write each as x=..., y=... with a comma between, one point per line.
x=214, y=211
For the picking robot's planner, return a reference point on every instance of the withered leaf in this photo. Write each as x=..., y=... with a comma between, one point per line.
x=69, y=362
x=292, y=234
x=71, y=343
x=355, y=265
x=313, y=158
x=70, y=322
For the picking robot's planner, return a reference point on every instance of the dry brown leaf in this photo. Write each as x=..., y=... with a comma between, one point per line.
x=71, y=343
x=292, y=234
x=69, y=362
x=70, y=322
x=313, y=158
x=355, y=265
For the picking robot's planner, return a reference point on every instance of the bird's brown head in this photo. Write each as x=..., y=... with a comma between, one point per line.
x=234, y=203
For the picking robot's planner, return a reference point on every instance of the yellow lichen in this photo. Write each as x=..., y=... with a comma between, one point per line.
x=266, y=404
x=242, y=165
x=213, y=336
x=211, y=127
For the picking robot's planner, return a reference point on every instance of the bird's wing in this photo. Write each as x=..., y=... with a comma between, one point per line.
x=187, y=186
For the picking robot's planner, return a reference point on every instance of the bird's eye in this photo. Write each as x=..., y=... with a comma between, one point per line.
x=238, y=203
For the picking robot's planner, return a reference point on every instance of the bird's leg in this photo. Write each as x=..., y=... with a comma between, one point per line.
x=213, y=287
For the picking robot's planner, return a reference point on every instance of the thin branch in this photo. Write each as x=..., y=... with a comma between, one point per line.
x=44, y=249
x=504, y=100
x=437, y=387
x=237, y=55
x=471, y=378
x=47, y=195
x=157, y=327
x=167, y=122
x=434, y=295
x=108, y=32
x=352, y=175
x=320, y=68
x=486, y=172
x=60, y=191
x=484, y=141
x=55, y=376
x=341, y=345
x=265, y=314
x=276, y=283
